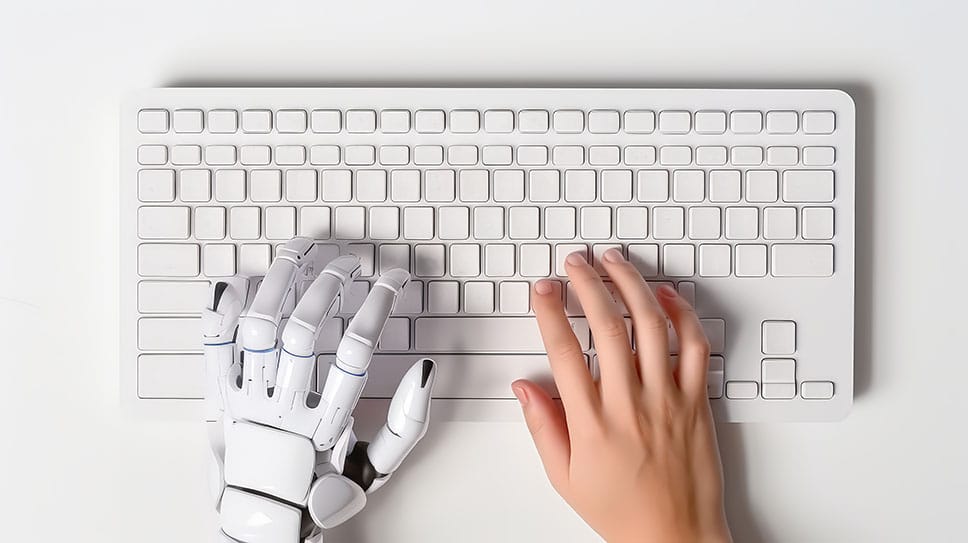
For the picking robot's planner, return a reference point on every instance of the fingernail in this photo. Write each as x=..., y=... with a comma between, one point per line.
x=543, y=287
x=521, y=393
x=575, y=259
x=667, y=291
x=613, y=255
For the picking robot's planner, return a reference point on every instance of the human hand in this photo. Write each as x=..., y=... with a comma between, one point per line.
x=634, y=453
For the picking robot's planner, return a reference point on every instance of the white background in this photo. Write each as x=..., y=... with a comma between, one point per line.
x=74, y=468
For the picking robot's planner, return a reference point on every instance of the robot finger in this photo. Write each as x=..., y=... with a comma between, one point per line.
x=346, y=377
x=261, y=321
x=220, y=320
x=371, y=465
x=318, y=305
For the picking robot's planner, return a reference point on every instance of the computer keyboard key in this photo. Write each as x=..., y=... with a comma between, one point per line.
x=361, y=121
x=782, y=156
x=487, y=334
x=326, y=121
x=314, y=222
x=337, y=185
x=533, y=121
x=396, y=335
x=640, y=122
x=462, y=155
x=220, y=155
x=817, y=390
x=169, y=334
x=439, y=186
x=544, y=185
x=465, y=260
x=598, y=252
x=568, y=155
x=802, y=260
x=188, y=121
x=362, y=155
x=218, y=260
x=679, y=260
x=172, y=296
x=168, y=260
x=569, y=121
x=442, y=297
x=418, y=223
x=780, y=223
x=778, y=337
x=496, y=155
x=478, y=297
x=667, y=222
x=750, y=260
x=428, y=259
x=465, y=121
x=488, y=223
x=508, y=185
x=223, y=121
x=523, y=222
x=364, y=252
x=603, y=121
x=371, y=186
x=257, y=121
x=394, y=255
x=645, y=258
x=290, y=155
x=580, y=185
x=562, y=250
x=632, y=222
x=186, y=155
x=410, y=300
x=653, y=186
x=291, y=121
x=280, y=223
x=395, y=121
x=171, y=376
x=819, y=122
x=152, y=155
x=746, y=122
x=616, y=185
x=535, y=260
x=715, y=330
x=515, y=297
x=640, y=155
x=384, y=223
x=704, y=223
x=499, y=121
x=711, y=155
x=817, y=223
x=675, y=122
x=675, y=155
x=156, y=185
x=762, y=186
x=324, y=155
x=163, y=222
x=687, y=289
x=404, y=186
x=245, y=223
x=818, y=156
x=742, y=390
x=742, y=223
x=724, y=186
x=499, y=260
x=301, y=185
x=209, y=223
x=453, y=223
x=715, y=260
x=266, y=185
x=746, y=155
x=153, y=121
x=782, y=122
x=596, y=222
x=350, y=222
x=430, y=121
x=811, y=186
x=710, y=122
x=255, y=155
x=689, y=186
x=532, y=155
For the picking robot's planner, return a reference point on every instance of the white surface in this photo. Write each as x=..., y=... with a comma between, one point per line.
x=893, y=471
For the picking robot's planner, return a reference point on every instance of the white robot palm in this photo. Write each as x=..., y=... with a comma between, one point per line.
x=260, y=388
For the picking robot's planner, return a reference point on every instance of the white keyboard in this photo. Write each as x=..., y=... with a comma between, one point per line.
x=743, y=199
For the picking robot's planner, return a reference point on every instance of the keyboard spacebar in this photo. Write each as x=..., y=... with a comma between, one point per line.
x=486, y=335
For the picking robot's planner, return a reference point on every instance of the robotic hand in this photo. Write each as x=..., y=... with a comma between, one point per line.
x=286, y=461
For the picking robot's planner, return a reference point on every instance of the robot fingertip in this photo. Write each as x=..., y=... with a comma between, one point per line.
x=427, y=371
